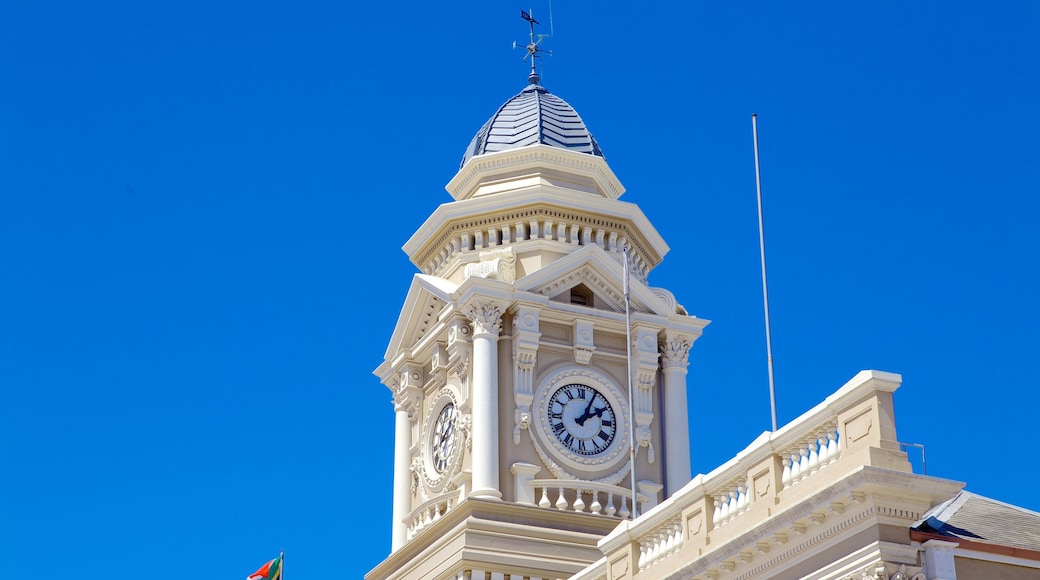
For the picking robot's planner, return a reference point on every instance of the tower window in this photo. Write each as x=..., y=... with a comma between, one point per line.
x=581, y=295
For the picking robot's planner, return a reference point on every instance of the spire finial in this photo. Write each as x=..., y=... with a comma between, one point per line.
x=533, y=50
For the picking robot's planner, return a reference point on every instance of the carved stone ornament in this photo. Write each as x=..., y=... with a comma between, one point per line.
x=486, y=318
x=643, y=437
x=498, y=264
x=675, y=353
x=522, y=417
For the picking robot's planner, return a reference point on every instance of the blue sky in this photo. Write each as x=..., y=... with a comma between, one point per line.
x=202, y=206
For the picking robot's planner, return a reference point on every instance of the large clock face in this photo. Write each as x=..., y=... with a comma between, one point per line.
x=443, y=437
x=581, y=418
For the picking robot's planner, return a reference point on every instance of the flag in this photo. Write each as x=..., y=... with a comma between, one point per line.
x=527, y=17
x=269, y=571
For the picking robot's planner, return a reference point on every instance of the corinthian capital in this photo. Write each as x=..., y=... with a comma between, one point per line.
x=675, y=352
x=486, y=318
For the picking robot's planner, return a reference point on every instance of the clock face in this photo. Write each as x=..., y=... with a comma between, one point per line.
x=581, y=418
x=443, y=437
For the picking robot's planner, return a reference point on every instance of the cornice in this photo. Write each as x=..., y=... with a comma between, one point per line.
x=466, y=181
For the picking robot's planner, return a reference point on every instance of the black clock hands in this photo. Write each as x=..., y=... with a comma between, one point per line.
x=590, y=413
x=580, y=420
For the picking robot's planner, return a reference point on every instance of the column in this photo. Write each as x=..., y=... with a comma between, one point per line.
x=405, y=398
x=674, y=360
x=487, y=324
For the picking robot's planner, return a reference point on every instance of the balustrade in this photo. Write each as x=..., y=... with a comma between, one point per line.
x=430, y=511
x=603, y=499
x=809, y=456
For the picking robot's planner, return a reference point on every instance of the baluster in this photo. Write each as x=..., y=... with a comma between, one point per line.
x=785, y=479
x=733, y=508
x=561, y=501
x=743, y=500
x=655, y=555
x=611, y=510
x=724, y=500
x=803, y=463
x=624, y=508
x=544, y=502
x=596, y=507
x=833, y=447
x=669, y=541
x=643, y=553
x=814, y=457
x=822, y=442
x=579, y=503
x=716, y=515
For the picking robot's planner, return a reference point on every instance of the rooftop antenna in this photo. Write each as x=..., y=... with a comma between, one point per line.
x=533, y=49
x=765, y=293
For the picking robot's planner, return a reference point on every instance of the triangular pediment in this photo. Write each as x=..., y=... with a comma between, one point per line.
x=592, y=269
x=426, y=297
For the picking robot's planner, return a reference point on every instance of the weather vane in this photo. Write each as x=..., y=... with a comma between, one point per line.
x=533, y=49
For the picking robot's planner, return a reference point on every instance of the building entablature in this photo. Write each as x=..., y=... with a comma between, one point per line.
x=527, y=229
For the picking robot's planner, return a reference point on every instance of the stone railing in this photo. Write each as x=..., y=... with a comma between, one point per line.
x=581, y=496
x=430, y=511
x=852, y=428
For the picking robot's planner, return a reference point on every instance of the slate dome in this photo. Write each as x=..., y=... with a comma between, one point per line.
x=531, y=117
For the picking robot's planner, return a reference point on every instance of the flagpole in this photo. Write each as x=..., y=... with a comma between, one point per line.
x=281, y=569
x=631, y=403
x=762, y=250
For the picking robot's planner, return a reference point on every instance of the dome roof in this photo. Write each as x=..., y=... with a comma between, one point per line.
x=534, y=116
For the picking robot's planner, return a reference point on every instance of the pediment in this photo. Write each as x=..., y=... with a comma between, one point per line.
x=426, y=297
x=601, y=273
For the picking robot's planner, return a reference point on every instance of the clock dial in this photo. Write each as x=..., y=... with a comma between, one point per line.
x=443, y=439
x=581, y=418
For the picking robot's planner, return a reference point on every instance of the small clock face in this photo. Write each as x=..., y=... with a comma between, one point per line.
x=582, y=419
x=443, y=440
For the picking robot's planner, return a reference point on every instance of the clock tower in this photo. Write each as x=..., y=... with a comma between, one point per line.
x=524, y=368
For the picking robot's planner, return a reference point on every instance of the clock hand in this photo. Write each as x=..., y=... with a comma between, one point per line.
x=580, y=420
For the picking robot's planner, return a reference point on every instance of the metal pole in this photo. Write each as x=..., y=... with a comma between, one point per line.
x=765, y=292
x=631, y=402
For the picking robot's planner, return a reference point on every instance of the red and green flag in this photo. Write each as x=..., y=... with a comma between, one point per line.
x=269, y=571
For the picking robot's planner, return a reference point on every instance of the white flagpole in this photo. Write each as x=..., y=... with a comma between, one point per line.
x=631, y=402
x=765, y=293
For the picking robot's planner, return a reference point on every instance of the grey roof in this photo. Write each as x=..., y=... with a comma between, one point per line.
x=531, y=117
x=972, y=517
